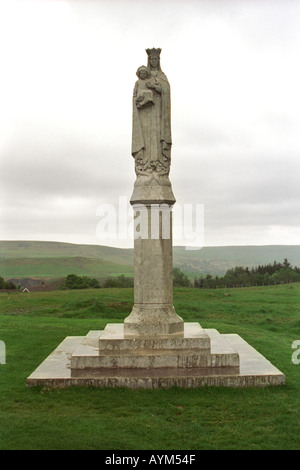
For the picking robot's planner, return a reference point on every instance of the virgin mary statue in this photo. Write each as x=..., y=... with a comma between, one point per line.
x=151, y=127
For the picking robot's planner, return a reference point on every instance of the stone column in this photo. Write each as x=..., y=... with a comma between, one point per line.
x=153, y=313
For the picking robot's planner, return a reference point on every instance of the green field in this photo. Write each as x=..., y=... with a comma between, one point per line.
x=32, y=326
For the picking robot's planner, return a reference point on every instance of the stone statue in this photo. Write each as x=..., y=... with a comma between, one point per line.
x=151, y=128
x=152, y=200
x=153, y=348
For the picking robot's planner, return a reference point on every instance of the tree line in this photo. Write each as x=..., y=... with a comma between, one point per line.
x=240, y=276
x=262, y=275
x=73, y=281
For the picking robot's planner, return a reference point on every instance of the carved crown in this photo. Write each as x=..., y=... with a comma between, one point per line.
x=153, y=51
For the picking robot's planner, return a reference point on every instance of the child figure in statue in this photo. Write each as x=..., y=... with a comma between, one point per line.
x=144, y=95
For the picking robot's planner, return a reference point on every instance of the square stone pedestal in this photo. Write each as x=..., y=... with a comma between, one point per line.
x=198, y=357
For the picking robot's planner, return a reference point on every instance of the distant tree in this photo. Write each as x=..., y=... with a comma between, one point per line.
x=10, y=285
x=286, y=264
x=80, y=282
x=119, y=281
x=92, y=282
x=180, y=279
x=6, y=284
x=199, y=283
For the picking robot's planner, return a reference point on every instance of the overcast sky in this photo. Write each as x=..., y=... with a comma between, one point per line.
x=67, y=76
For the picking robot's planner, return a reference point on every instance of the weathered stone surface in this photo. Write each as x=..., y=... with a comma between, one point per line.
x=113, y=338
x=168, y=352
x=255, y=370
x=152, y=194
x=153, y=312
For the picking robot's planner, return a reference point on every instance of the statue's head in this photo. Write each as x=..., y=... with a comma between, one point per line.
x=154, y=58
x=143, y=72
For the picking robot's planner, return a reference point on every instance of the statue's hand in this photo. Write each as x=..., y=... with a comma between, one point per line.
x=154, y=86
x=150, y=84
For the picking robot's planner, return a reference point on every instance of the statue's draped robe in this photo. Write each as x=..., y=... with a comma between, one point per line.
x=151, y=129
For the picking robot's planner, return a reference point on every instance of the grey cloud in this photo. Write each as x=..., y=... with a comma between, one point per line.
x=244, y=169
x=70, y=169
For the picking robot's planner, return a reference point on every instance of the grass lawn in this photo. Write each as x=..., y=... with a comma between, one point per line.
x=32, y=326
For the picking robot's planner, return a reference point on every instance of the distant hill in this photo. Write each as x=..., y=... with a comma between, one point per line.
x=41, y=259
x=61, y=267
x=41, y=249
x=216, y=260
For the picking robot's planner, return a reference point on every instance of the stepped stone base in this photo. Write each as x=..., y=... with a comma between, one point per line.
x=200, y=357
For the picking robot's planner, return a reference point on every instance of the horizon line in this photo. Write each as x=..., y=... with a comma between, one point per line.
x=131, y=248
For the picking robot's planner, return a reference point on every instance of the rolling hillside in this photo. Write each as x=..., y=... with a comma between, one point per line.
x=61, y=267
x=39, y=259
x=40, y=249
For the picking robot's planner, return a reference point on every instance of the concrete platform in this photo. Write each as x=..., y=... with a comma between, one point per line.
x=114, y=350
x=156, y=363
